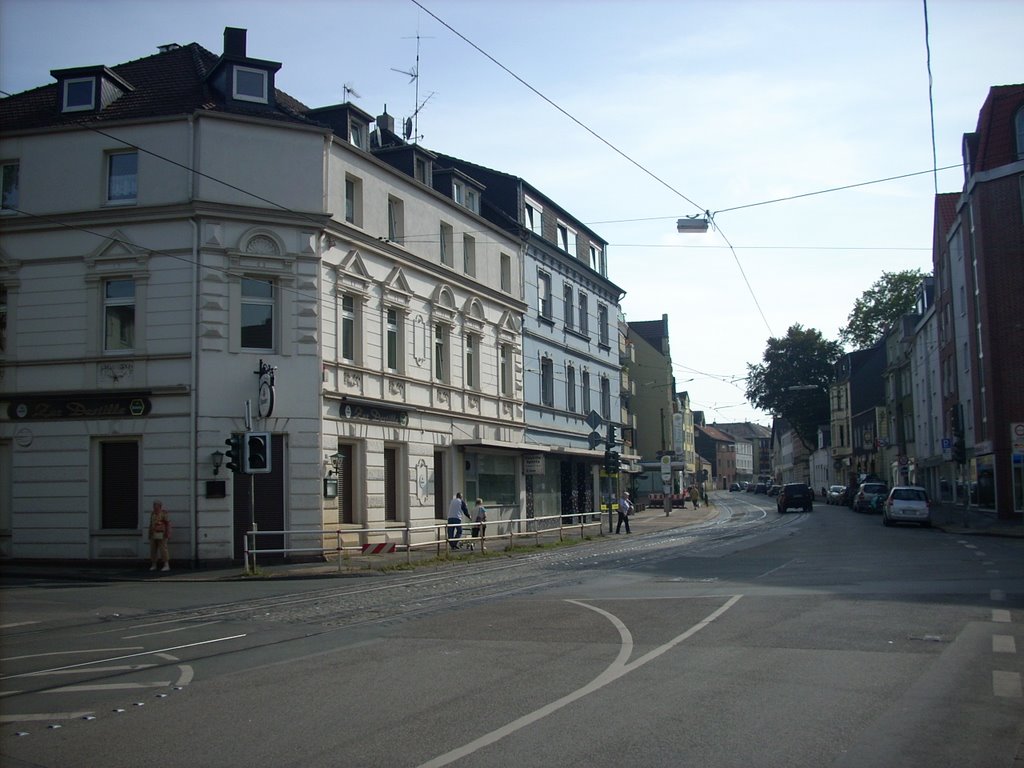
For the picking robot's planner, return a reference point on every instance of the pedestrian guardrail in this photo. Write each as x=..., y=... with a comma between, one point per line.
x=343, y=542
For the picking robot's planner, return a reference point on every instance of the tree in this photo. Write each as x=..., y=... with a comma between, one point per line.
x=879, y=307
x=793, y=380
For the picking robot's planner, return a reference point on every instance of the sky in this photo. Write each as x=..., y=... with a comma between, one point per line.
x=633, y=114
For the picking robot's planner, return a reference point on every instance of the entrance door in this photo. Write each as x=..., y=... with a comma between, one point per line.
x=268, y=504
x=440, y=492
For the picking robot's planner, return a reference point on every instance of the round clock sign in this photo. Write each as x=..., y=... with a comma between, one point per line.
x=266, y=399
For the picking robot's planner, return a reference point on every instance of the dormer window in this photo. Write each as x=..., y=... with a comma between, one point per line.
x=79, y=94
x=249, y=85
x=357, y=134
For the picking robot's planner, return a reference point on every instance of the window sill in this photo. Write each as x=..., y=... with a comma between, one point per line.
x=578, y=334
x=546, y=320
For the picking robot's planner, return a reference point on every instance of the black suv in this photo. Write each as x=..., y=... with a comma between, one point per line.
x=795, y=495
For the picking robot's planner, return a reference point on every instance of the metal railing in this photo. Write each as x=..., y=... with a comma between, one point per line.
x=341, y=542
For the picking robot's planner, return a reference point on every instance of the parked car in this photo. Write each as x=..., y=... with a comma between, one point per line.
x=793, y=495
x=866, y=495
x=760, y=488
x=835, y=494
x=751, y=487
x=907, y=504
x=735, y=487
x=774, y=490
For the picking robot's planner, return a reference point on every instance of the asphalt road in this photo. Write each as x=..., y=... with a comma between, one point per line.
x=750, y=640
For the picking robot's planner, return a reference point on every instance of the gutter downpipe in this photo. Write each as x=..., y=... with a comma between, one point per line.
x=194, y=383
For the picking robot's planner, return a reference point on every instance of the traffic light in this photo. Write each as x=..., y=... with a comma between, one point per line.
x=611, y=462
x=256, y=450
x=610, y=441
x=959, y=451
x=234, y=453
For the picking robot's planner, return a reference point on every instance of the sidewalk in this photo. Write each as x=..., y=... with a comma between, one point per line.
x=974, y=521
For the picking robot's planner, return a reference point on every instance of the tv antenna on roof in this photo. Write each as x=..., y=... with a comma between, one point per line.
x=412, y=124
x=349, y=90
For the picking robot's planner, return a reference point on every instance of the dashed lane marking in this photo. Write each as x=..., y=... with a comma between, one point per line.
x=1004, y=644
x=1006, y=684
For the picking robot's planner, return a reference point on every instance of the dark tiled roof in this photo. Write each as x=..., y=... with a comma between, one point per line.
x=172, y=82
x=996, y=136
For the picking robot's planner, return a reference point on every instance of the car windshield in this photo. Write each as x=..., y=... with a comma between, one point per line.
x=874, y=488
x=909, y=494
x=836, y=489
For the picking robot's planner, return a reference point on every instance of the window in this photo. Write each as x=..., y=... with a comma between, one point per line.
x=544, y=294
x=421, y=170
x=10, y=185
x=249, y=85
x=122, y=177
x=393, y=332
x=566, y=238
x=354, y=200
x=392, y=484
x=584, y=314
x=348, y=328
x=396, y=220
x=505, y=370
x=119, y=485
x=547, y=382
x=79, y=94
x=585, y=390
x=469, y=255
x=1018, y=122
x=567, y=303
x=459, y=192
x=3, y=319
x=595, y=258
x=357, y=134
x=257, y=314
x=533, y=217
x=606, y=398
x=506, y=273
x=602, y=322
x=447, y=245
x=441, y=352
x=118, y=315
x=472, y=372
x=472, y=200
x=570, y=388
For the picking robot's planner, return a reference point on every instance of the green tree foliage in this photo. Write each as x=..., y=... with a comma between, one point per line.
x=793, y=379
x=879, y=307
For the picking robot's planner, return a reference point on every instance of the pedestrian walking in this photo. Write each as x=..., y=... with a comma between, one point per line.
x=456, y=509
x=480, y=519
x=624, y=509
x=159, y=535
x=694, y=496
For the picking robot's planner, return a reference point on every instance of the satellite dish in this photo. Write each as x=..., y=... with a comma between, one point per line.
x=407, y=129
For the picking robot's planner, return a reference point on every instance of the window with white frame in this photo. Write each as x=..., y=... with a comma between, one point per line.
x=9, y=197
x=547, y=382
x=506, y=273
x=595, y=258
x=349, y=332
x=354, y=200
x=585, y=390
x=469, y=255
x=257, y=314
x=584, y=314
x=447, y=239
x=472, y=372
x=566, y=238
x=505, y=369
x=79, y=94
x=119, y=315
x=459, y=192
x=122, y=177
x=602, y=322
x=358, y=135
x=567, y=305
x=441, y=352
x=394, y=322
x=472, y=200
x=396, y=220
x=533, y=215
x=570, y=388
x=249, y=84
x=544, y=295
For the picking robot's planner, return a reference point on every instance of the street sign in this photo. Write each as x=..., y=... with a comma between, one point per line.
x=594, y=439
x=594, y=420
x=666, y=467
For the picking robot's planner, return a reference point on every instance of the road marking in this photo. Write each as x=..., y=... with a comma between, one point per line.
x=118, y=668
x=169, y=631
x=1006, y=684
x=44, y=716
x=1001, y=615
x=777, y=568
x=618, y=668
x=997, y=594
x=1004, y=644
x=17, y=624
x=109, y=687
x=65, y=653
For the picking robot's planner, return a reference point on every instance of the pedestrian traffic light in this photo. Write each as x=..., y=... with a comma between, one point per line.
x=256, y=450
x=233, y=455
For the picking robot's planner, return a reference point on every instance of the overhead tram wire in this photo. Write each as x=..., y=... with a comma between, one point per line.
x=604, y=141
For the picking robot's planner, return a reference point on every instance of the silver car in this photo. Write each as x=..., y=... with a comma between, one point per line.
x=907, y=504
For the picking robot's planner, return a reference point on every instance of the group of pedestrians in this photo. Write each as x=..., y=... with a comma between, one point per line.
x=457, y=510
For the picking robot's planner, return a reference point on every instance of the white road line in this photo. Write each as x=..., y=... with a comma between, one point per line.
x=46, y=716
x=614, y=671
x=127, y=656
x=169, y=631
x=109, y=687
x=1006, y=684
x=777, y=568
x=66, y=653
x=1004, y=644
x=1001, y=615
x=17, y=624
x=121, y=668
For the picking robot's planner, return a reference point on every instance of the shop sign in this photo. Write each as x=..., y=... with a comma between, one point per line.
x=79, y=406
x=1017, y=437
x=533, y=464
x=375, y=413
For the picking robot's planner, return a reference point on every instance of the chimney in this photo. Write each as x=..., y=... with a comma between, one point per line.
x=234, y=42
x=385, y=121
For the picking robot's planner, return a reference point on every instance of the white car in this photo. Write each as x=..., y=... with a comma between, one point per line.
x=907, y=504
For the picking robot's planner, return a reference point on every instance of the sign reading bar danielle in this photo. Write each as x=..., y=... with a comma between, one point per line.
x=79, y=406
x=375, y=413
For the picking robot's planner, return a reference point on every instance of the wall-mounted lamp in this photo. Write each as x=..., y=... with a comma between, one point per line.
x=331, y=483
x=218, y=460
x=336, y=461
